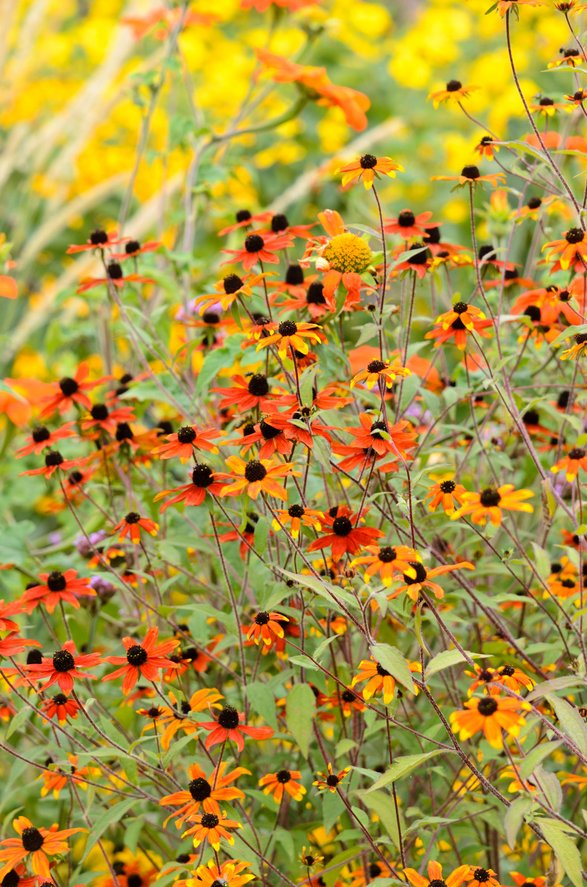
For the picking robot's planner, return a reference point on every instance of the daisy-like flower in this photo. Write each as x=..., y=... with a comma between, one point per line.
x=56, y=780
x=367, y=168
x=504, y=6
x=257, y=248
x=134, y=248
x=283, y=782
x=521, y=880
x=409, y=225
x=330, y=780
x=42, y=438
x=345, y=536
x=506, y=676
x=487, y=147
x=185, y=440
x=546, y=106
x=416, y=258
x=267, y=628
x=471, y=175
x=480, y=877
x=374, y=440
x=227, y=292
x=70, y=390
x=570, y=57
x=203, y=480
x=572, y=463
x=297, y=517
x=176, y=717
x=435, y=876
x=98, y=240
x=570, y=249
x=423, y=579
x=35, y=846
x=114, y=277
x=257, y=476
x=55, y=462
x=290, y=337
x=445, y=493
x=245, y=394
x=379, y=680
x=142, y=660
x=387, y=561
x=454, y=91
x=489, y=716
x=229, y=874
x=132, y=524
x=380, y=371
x=229, y=725
x=576, y=350
x=205, y=792
x=490, y=503
x=62, y=668
x=243, y=218
x=212, y=827
x=56, y=587
x=61, y=707
x=343, y=256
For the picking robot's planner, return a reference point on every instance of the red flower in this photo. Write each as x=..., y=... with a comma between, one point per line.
x=145, y=659
x=70, y=390
x=204, y=480
x=61, y=707
x=185, y=440
x=63, y=667
x=245, y=394
x=346, y=537
x=42, y=438
x=55, y=587
x=257, y=248
x=114, y=277
x=229, y=726
x=54, y=461
x=132, y=524
x=98, y=240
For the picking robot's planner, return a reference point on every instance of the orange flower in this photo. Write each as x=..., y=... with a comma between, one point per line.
x=504, y=6
x=378, y=680
x=480, y=877
x=572, y=463
x=204, y=792
x=144, y=660
x=185, y=440
x=212, y=828
x=245, y=394
x=267, y=628
x=257, y=248
x=229, y=725
x=330, y=780
x=114, y=277
x=409, y=225
x=346, y=537
x=380, y=370
x=204, y=480
x=488, y=504
x=230, y=874
x=454, y=91
x=374, y=440
x=70, y=390
x=577, y=349
x=572, y=249
x=290, y=337
x=131, y=525
x=470, y=175
x=284, y=781
x=98, y=240
x=176, y=717
x=460, y=320
x=367, y=168
x=256, y=476
x=35, y=845
x=63, y=667
x=61, y=707
x=56, y=587
x=227, y=291
x=42, y=438
x=343, y=256
x=436, y=877
x=414, y=584
x=487, y=147
x=297, y=517
x=445, y=493
x=489, y=715
x=388, y=560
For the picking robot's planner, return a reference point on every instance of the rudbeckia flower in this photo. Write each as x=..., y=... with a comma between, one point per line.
x=380, y=370
x=98, y=240
x=345, y=536
x=62, y=667
x=387, y=561
x=35, y=846
x=257, y=476
x=61, y=707
x=70, y=390
x=572, y=249
x=379, y=680
x=408, y=224
x=423, y=579
x=203, y=481
x=490, y=502
x=577, y=349
x=132, y=524
x=489, y=715
x=435, y=876
x=142, y=660
x=114, y=277
x=246, y=393
x=367, y=168
x=470, y=175
x=212, y=828
x=454, y=91
x=205, y=792
x=227, y=292
x=487, y=147
x=480, y=877
x=56, y=587
x=445, y=493
x=185, y=440
x=572, y=463
x=42, y=438
x=267, y=628
x=229, y=725
x=330, y=780
x=290, y=337
x=283, y=782
x=230, y=873
x=257, y=248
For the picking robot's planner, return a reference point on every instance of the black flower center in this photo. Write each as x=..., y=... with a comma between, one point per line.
x=387, y=554
x=377, y=428
x=574, y=235
x=262, y=618
x=279, y=222
x=421, y=257
x=342, y=526
x=123, y=432
x=447, y=486
x=56, y=581
x=209, y=820
x=348, y=696
x=258, y=385
x=186, y=434
x=63, y=661
x=375, y=366
x=577, y=453
x=460, y=307
x=531, y=417
x=228, y=717
x=283, y=776
x=507, y=670
x=545, y=102
x=534, y=203
x=98, y=237
x=382, y=672
x=406, y=218
x=11, y=879
x=232, y=284
x=454, y=86
x=202, y=476
x=481, y=875
x=420, y=576
x=489, y=498
x=114, y=271
x=581, y=338
x=315, y=294
x=134, y=881
x=267, y=430
x=296, y=511
x=132, y=247
x=136, y=655
x=534, y=313
x=99, y=411
x=34, y=657
x=332, y=780
x=487, y=706
x=432, y=235
x=287, y=328
x=254, y=243
x=40, y=433
x=368, y=161
x=487, y=251
x=32, y=839
x=200, y=789
x=437, y=882
x=53, y=458
x=243, y=215
x=59, y=699
x=132, y=517
x=294, y=275
x=485, y=675
x=68, y=386
x=255, y=471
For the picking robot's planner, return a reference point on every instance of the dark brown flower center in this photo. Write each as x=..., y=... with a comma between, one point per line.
x=114, y=271
x=132, y=517
x=283, y=776
x=574, y=235
x=387, y=554
x=209, y=820
x=294, y=276
x=98, y=237
x=406, y=218
x=202, y=476
x=200, y=789
x=342, y=526
x=254, y=243
x=262, y=618
x=228, y=717
x=63, y=661
x=279, y=222
x=255, y=471
x=420, y=576
x=296, y=511
x=68, y=386
x=32, y=839
x=368, y=161
x=487, y=706
x=287, y=328
x=136, y=655
x=454, y=86
x=56, y=581
x=577, y=453
x=470, y=172
x=258, y=385
x=186, y=434
x=375, y=366
x=315, y=294
x=489, y=498
x=447, y=486
x=40, y=434
x=232, y=284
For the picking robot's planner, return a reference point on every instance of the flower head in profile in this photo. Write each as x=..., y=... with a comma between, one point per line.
x=34, y=846
x=471, y=175
x=144, y=659
x=454, y=92
x=131, y=526
x=368, y=168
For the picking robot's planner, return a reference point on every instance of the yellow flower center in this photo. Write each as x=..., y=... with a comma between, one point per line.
x=348, y=252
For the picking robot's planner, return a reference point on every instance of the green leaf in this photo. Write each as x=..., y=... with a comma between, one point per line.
x=383, y=807
x=113, y=815
x=404, y=765
x=394, y=662
x=262, y=701
x=536, y=756
x=514, y=817
x=571, y=721
x=261, y=534
x=447, y=659
x=562, y=683
x=300, y=710
x=564, y=847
